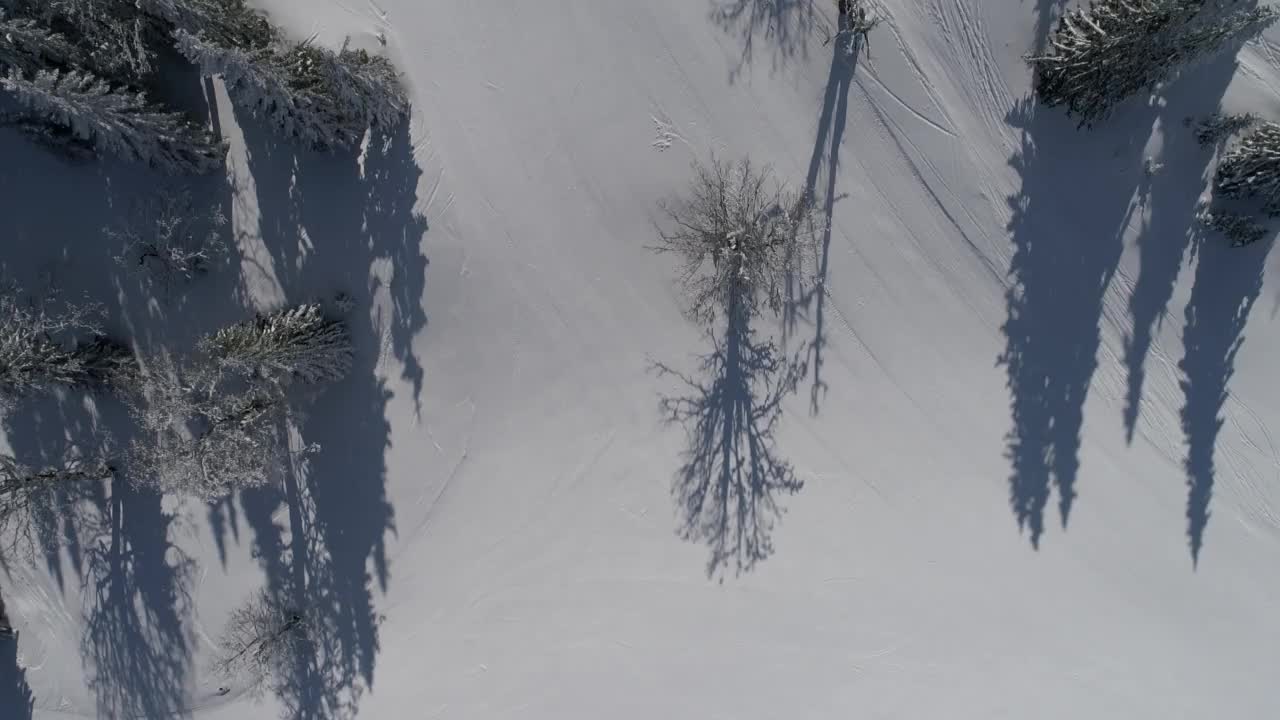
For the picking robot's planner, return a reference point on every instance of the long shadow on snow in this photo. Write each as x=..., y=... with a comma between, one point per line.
x=14, y=691
x=830, y=134
x=328, y=226
x=1046, y=12
x=727, y=487
x=1227, y=284
x=137, y=643
x=1067, y=224
x=786, y=25
x=1171, y=198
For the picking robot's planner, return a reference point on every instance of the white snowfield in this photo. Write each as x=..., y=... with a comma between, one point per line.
x=1037, y=429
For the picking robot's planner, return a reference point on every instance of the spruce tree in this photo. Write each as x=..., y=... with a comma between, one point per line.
x=321, y=98
x=1251, y=169
x=39, y=351
x=1113, y=49
x=116, y=120
x=297, y=341
x=26, y=46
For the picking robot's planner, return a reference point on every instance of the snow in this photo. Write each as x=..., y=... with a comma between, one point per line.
x=497, y=467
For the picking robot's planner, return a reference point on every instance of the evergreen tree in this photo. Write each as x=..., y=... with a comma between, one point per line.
x=1251, y=169
x=116, y=121
x=1216, y=128
x=1102, y=54
x=39, y=354
x=112, y=36
x=1239, y=229
x=321, y=98
x=297, y=341
x=26, y=46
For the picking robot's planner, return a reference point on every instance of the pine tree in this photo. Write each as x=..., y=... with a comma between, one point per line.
x=321, y=98
x=26, y=46
x=297, y=341
x=1216, y=128
x=1113, y=49
x=1251, y=169
x=38, y=352
x=230, y=23
x=116, y=121
x=1239, y=229
x=112, y=37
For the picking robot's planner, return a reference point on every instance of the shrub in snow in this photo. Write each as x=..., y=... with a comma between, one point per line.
x=322, y=98
x=294, y=342
x=169, y=239
x=260, y=642
x=1239, y=229
x=36, y=354
x=740, y=237
x=117, y=121
x=1252, y=169
x=1216, y=128
x=1112, y=49
x=201, y=438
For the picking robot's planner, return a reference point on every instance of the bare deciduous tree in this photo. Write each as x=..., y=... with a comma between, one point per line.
x=740, y=236
x=260, y=642
x=202, y=437
x=169, y=239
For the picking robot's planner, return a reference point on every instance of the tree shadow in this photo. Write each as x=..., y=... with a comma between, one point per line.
x=1067, y=224
x=1046, y=12
x=830, y=136
x=15, y=694
x=1171, y=198
x=137, y=639
x=334, y=222
x=785, y=25
x=1227, y=283
x=728, y=485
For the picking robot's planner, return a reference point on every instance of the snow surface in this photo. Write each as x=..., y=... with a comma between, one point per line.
x=490, y=529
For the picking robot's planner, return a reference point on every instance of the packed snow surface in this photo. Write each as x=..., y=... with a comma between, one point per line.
x=1036, y=426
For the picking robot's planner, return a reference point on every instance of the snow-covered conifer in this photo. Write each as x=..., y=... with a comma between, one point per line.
x=26, y=46
x=1112, y=49
x=1216, y=128
x=294, y=342
x=39, y=351
x=322, y=98
x=111, y=36
x=1239, y=229
x=1251, y=169
x=116, y=120
x=260, y=642
x=231, y=23
x=741, y=238
x=201, y=438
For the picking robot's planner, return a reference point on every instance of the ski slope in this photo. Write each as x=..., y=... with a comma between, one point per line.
x=1037, y=430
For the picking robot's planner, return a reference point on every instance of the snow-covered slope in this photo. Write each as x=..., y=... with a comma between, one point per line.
x=1030, y=399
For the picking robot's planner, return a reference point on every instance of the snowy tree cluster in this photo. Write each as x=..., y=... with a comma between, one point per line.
x=1217, y=128
x=80, y=70
x=741, y=238
x=1112, y=49
x=217, y=422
